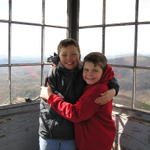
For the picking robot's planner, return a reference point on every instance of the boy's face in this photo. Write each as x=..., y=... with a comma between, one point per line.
x=92, y=73
x=69, y=57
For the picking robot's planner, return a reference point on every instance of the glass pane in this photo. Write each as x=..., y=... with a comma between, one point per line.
x=90, y=12
x=4, y=86
x=26, y=44
x=52, y=38
x=142, y=89
x=27, y=10
x=144, y=10
x=125, y=80
x=118, y=11
x=90, y=40
x=143, y=45
x=25, y=82
x=4, y=43
x=119, y=46
x=4, y=9
x=56, y=12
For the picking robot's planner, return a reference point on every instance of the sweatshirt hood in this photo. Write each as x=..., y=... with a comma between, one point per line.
x=108, y=74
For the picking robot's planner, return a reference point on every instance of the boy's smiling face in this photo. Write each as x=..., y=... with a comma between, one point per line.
x=92, y=73
x=69, y=57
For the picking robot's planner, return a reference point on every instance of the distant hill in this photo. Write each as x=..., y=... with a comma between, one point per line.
x=15, y=60
x=26, y=80
x=125, y=79
x=129, y=60
x=125, y=75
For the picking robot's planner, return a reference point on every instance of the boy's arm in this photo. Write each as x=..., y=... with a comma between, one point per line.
x=82, y=110
x=109, y=94
x=113, y=84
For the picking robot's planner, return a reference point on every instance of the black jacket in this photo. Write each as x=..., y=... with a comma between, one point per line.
x=71, y=85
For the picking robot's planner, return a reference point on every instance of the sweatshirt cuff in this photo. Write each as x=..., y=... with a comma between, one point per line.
x=51, y=98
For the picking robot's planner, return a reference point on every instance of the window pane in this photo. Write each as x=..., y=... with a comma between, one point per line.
x=4, y=43
x=125, y=80
x=143, y=45
x=119, y=46
x=25, y=82
x=90, y=12
x=26, y=44
x=4, y=86
x=4, y=9
x=56, y=12
x=90, y=40
x=144, y=10
x=52, y=38
x=27, y=10
x=118, y=11
x=142, y=89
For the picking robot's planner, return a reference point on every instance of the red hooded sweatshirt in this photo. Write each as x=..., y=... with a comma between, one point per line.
x=93, y=123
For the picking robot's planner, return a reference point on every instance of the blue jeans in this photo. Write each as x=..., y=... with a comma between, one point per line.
x=56, y=144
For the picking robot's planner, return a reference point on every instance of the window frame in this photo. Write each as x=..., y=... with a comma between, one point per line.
x=73, y=9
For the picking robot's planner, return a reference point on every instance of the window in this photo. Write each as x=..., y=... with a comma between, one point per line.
x=121, y=30
x=118, y=28
x=90, y=40
x=28, y=38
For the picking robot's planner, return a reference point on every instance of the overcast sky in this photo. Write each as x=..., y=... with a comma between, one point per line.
x=118, y=39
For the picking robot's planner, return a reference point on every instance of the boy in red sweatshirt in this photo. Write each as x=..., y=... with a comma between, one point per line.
x=93, y=123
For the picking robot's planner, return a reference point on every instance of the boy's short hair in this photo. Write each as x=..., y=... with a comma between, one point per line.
x=67, y=42
x=96, y=58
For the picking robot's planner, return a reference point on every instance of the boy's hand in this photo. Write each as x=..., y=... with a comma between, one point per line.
x=45, y=92
x=105, y=97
